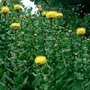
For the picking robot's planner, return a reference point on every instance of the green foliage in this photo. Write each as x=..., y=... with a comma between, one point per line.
x=68, y=55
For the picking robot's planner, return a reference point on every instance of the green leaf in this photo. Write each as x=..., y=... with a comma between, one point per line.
x=3, y=87
x=76, y=86
x=36, y=82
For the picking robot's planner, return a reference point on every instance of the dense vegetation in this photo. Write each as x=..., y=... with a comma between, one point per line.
x=46, y=51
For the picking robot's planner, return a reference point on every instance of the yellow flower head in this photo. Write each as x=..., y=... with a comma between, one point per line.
x=15, y=25
x=53, y=14
x=40, y=60
x=5, y=9
x=81, y=31
x=17, y=7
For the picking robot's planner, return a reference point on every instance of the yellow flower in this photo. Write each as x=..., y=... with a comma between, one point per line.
x=5, y=9
x=44, y=13
x=15, y=25
x=81, y=31
x=17, y=6
x=40, y=60
x=53, y=14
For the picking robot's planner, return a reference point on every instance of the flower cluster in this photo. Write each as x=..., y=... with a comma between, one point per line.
x=15, y=25
x=52, y=14
x=40, y=60
x=17, y=7
x=5, y=9
x=81, y=31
